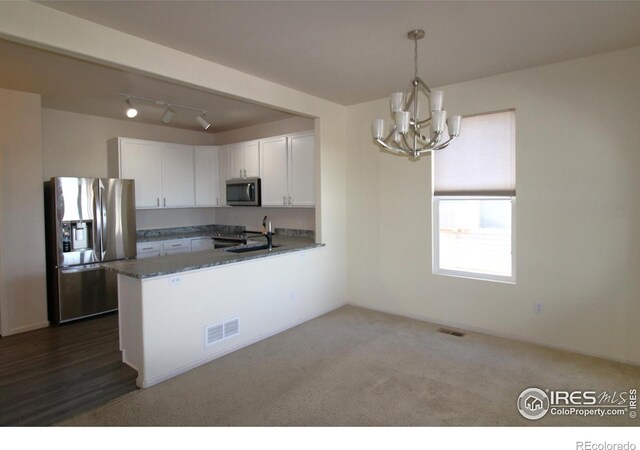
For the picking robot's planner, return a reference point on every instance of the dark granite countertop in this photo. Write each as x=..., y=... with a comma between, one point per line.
x=183, y=262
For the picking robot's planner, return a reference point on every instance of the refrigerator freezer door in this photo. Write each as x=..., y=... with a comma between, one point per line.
x=85, y=291
x=75, y=202
x=118, y=219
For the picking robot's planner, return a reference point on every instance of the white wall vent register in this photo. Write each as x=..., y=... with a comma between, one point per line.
x=221, y=331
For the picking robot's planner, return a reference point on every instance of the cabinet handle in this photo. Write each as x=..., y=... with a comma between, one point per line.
x=290, y=201
x=157, y=201
x=147, y=248
x=284, y=200
x=165, y=201
x=217, y=201
x=176, y=245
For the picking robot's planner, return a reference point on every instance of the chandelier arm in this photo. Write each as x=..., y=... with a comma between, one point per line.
x=446, y=143
x=397, y=151
x=424, y=85
x=425, y=122
x=423, y=138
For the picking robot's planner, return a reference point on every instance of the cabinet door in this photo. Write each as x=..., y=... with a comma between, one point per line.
x=177, y=176
x=273, y=156
x=252, y=159
x=224, y=162
x=302, y=173
x=207, y=176
x=141, y=161
x=237, y=160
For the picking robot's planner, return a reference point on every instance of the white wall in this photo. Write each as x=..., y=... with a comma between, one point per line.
x=251, y=218
x=22, y=254
x=578, y=214
x=34, y=24
x=76, y=145
x=263, y=130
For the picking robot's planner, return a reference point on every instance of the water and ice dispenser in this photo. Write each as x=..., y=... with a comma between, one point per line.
x=76, y=236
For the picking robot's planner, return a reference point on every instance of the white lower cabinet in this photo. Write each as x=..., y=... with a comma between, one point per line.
x=176, y=246
x=149, y=249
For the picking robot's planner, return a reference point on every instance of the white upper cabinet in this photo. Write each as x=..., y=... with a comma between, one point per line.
x=274, y=172
x=164, y=173
x=242, y=160
x=178, y=189
x=184, y=176
x=302, y=174
x=140, y=161
x=251, y=157
x=207, y=176
x=288, y=170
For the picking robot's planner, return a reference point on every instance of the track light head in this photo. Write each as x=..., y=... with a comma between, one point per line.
x=168, y=114
x=131, y=111
x=204, y=123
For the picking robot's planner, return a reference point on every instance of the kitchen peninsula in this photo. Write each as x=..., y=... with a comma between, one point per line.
x=179, y=311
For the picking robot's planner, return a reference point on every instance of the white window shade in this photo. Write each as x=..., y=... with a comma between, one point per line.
x=481, y=162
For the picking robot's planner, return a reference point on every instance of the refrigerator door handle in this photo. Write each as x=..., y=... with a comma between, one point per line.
x=97, y=218
x=103, y=218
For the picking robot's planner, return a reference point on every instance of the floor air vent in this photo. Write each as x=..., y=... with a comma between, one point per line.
x=221, y=331
x=451, y=332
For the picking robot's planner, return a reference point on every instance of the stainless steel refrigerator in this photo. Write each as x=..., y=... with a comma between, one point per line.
x=88, y=221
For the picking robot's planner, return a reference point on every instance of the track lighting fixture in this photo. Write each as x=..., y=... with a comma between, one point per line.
x=167, y=117
x=204, y=123
x=169, y=112
x=131, y=111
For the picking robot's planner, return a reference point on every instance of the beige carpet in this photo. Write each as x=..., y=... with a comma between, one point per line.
x=358, y=367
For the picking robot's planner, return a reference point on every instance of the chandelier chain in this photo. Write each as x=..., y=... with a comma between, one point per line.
x=415, y=56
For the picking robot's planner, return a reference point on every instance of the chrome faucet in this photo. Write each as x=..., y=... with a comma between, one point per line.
x=267, y=232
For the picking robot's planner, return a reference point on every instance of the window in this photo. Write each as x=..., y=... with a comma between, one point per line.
x=474, y=195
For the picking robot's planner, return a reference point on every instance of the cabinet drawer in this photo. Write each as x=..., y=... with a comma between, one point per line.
x=149, y=254
x=143, y=247
x=182, y=244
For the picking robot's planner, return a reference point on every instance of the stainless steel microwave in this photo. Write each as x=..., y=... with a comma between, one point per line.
x=244, y=192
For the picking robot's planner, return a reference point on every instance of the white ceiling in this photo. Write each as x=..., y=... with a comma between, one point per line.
x=354, y=51
x=69, y=84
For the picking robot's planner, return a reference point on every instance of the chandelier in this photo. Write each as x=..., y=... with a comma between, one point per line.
x=406, y=136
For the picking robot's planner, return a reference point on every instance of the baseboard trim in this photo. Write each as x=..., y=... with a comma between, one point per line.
x=25, y=328
x=488, y=332
x=180, y=370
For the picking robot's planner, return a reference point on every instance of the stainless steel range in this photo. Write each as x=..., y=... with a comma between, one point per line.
x=222, y=240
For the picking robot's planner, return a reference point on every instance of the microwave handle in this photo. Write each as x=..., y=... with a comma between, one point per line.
x=249, y=186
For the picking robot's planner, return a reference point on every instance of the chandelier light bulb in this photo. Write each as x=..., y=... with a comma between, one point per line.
x=453, y=123
x=402, y=121
x=378, y=128
x=437, y=100
x=438, y=120
x=397, y=101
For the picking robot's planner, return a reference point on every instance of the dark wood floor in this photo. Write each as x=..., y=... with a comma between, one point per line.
x=54, y=373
